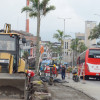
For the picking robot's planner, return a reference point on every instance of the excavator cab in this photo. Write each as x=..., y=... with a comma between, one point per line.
x=12, y=67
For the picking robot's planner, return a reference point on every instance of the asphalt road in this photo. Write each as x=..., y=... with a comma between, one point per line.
x=60, y=92
x=90, y=87
x=93, y=81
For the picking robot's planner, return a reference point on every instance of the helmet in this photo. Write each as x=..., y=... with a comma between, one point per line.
x=25, y=71
x=54, y=65
x=48, y=64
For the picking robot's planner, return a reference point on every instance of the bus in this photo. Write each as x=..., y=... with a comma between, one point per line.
x=89, y=63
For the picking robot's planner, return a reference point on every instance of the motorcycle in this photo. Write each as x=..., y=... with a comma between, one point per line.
x=75, y=76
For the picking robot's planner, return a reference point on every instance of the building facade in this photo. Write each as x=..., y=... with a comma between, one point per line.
x=89, y=25
x=80, y=36
x=50, y=51
x=67, y=52
x=30, y=45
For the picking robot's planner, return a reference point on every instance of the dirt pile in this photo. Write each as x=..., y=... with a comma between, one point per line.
x=10, y=92
x=39, y=91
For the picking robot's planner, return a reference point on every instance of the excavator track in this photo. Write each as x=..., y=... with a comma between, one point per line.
x=12, y=86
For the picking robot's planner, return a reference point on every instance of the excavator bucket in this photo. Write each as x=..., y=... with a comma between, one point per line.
x=12, y=86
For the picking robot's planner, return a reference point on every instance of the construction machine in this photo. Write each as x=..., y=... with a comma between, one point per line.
x=12, y=67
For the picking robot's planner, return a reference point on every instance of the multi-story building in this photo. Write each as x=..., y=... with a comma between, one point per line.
x=89, y=25
x=30, y=45
x=49, y=52
x=81, y=37
x=55, y=55
x=67, y=52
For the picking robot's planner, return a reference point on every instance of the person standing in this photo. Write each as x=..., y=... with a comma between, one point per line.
x=54, y=71
x=63, y=72
x=47, y=71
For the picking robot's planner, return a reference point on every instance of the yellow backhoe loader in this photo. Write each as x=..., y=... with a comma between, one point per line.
x=12, y=67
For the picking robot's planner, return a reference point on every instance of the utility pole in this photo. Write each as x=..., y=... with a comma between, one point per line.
x=64, y=19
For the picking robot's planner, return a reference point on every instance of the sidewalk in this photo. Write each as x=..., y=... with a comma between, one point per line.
x=83, y=86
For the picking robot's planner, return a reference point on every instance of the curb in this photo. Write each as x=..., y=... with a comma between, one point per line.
x=79, y=91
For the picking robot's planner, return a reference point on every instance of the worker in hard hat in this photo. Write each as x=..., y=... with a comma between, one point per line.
x=54, y=70
x=30, y=74
x=47, y=70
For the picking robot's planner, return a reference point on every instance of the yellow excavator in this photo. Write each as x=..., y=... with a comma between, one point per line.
x=12, y=67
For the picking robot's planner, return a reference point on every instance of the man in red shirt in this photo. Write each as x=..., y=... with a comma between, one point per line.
x=29, y=74
x=47, y=71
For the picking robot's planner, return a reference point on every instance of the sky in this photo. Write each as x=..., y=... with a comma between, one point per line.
x=78, y=11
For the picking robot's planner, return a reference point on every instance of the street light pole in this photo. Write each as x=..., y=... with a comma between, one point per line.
x=64, y=22
x=64, y=26
x=64, y=34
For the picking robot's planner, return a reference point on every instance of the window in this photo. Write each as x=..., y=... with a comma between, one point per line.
x=81, y=37
x=44, y=55
x=67, y=53
x=44, y=50
x=82, y=58
x=67, y=45
x=27, y=43
x=94, y=53
x=54, y=55
x=7, y=42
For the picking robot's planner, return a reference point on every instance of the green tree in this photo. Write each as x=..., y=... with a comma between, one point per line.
x=74, y=47
x=82, y=47
x=60, y=37
x=38, y=9
x=95, y=33
x=25, y=55
x=74, y=44
x=77, y=47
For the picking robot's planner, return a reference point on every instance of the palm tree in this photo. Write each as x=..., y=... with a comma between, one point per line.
x=74, y=47
x=77, y=47
x=82, y=47
x=38, y=9
x=60, y=37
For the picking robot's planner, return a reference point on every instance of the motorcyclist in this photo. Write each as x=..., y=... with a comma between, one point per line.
x=75, y=74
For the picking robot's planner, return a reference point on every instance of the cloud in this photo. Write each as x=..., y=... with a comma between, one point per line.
x=52, y=22
x=77, y=10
